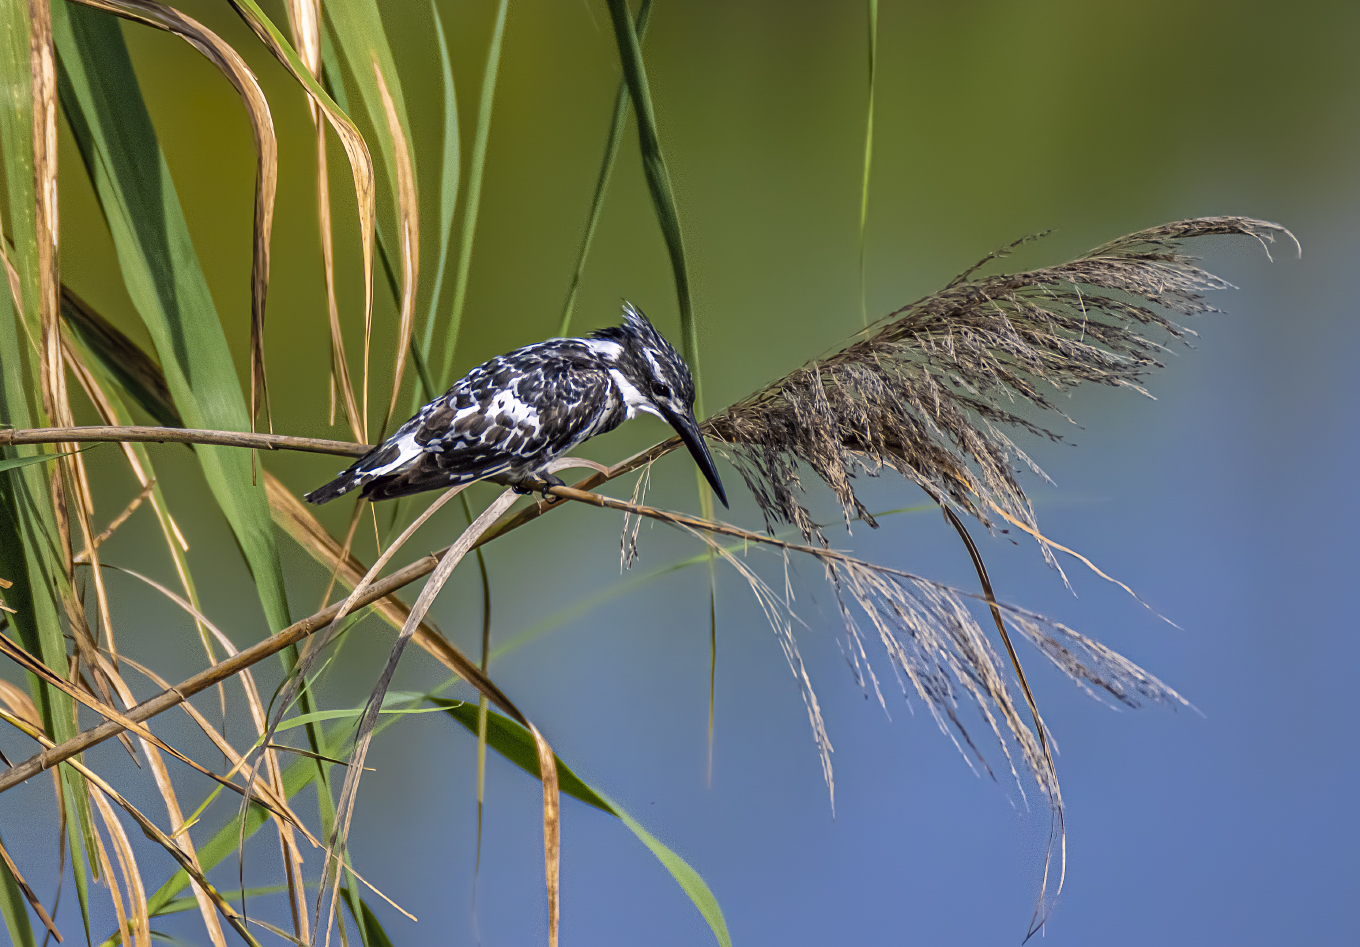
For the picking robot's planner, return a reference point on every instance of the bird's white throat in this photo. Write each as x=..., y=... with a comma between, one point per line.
x=633, y=399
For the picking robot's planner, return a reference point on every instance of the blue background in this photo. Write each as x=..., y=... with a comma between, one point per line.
x=1227, y=502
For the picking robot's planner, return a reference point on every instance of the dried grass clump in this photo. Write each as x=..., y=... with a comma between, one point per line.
x=928, y=389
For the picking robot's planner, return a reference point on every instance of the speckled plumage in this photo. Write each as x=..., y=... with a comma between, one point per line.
x=517, y=412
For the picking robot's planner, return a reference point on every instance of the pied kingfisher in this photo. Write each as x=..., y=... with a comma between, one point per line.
x=516, y=413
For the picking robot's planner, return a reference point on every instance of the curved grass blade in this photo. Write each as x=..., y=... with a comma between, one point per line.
x=360, y=161
x=16, y=918
x=450, y=171
x=516, y=744
x=358, y=30
x=12, y=908
x=366, y=921
x=14, y=463
x=868, y=153
x=611, y=153
x=234, y=68
x=668, y=218
x=297, y=520
x=335, y=843
x=304, y=20
x=689, y=880
x=409, y=225
x=482, y=704
x=148, y=828
x=180, y=905
x=124, y=934
x=659, y=184
x=513, y=742
x=1050, y=786
x=139, y=923
x=162, y=272
x=473, y=200
x=136, y=373
x=35, y=549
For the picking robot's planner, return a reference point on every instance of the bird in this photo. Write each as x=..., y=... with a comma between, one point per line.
x=513, y=415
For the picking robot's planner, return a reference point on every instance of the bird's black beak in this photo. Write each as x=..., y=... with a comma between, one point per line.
x=688, y=429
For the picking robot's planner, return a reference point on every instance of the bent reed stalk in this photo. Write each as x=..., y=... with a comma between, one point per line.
x=299, y=630
x=180, y=435
x=381, y=588
x=924, y=391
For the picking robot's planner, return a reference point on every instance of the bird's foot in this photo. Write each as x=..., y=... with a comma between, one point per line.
x=540, y=485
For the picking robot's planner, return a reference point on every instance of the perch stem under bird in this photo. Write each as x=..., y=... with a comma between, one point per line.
x=511, y=417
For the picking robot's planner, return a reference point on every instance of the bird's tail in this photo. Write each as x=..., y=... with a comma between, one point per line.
x=341, y=485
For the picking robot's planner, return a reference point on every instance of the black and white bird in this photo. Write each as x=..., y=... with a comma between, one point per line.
x=515, y=414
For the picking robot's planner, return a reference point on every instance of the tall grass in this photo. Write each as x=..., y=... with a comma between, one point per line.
x=926, y=392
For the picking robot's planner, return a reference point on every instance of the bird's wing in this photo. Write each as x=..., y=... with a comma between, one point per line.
x=511, y=415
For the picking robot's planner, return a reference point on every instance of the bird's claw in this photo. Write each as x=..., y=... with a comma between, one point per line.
x=540, y=486
x=551, y=481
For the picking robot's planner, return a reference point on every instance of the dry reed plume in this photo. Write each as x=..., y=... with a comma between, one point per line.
x=927, y=391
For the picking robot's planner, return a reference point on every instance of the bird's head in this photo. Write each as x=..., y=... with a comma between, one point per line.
x=654, y=378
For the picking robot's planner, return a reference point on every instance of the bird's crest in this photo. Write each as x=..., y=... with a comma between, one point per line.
x=646, y=345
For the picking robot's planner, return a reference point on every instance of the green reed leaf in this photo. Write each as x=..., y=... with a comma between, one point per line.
x=690, y=881
x=180, y=905
x=14, y=463
x=450, y=171
x=104, y=106
x=611, y=153
x=14, y=909
x=31, y=553
x=658, y=183
x=473, y=200
x=516, y=744
x=868, y=153
x=366, y=921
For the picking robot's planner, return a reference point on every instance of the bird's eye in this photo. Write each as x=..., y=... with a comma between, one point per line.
x=661, y=390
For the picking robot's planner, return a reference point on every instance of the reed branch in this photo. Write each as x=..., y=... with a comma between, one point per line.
x=173, y=696
x=180, y=435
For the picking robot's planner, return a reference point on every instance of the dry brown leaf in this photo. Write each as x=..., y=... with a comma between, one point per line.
x=29, y=896
x=552, y=832
x=231, y=65
x=408, y=222
x=151, y=831
x=361, y=166
x=140, y=922
x=106, y=869
x=450, y=559
x=42, y=61
x=172, y=807
x=304, y=20
x=297, y=520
